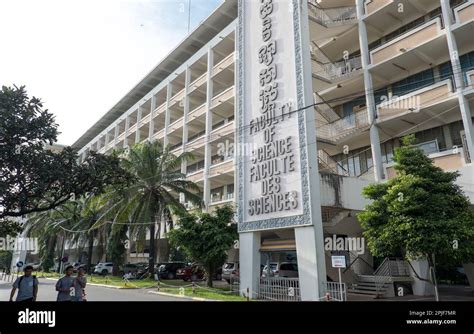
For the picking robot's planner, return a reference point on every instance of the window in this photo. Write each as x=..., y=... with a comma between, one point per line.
x=429, y=135
x=413, y=82
x=429, y=147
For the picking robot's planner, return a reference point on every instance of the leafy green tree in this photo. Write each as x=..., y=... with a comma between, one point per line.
x=33, y=177
x=421, y=213
x=206, y=238
x=156, y=187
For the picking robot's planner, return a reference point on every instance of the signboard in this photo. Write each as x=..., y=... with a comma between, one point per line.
x=338, y=261
x=272, y=143
x=19, y=264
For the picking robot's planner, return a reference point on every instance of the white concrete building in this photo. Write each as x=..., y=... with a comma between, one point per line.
x=380, y=69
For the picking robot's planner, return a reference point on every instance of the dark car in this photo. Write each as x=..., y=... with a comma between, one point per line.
x=168, y=270
x=196, y=272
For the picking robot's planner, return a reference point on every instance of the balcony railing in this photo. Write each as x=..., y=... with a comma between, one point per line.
x=416, y=100
x=345, y=126
x=411, y=39
x=333, y=71
x=329, y=17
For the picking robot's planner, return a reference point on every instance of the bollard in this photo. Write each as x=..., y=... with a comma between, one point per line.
x=194, y=288
x=328, y=297
x=158, y=286
x=248, y=294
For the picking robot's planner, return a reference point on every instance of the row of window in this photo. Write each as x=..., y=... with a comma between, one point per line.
x=433, y=140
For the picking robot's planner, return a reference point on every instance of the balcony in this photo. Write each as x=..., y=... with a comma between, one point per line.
x=160, y=109
x=225, y=167
x=196, y=143
x=464, y=13
x=222, y=97
x=198, y=82
x=223, y=64
x=330, y=17
x=223, y=131
x=333, y=72
x=341, y=130
x=417, y=101
x=201, y=110
x=177, y=98
x=195, y=176
x=447, y=160
x=176, y=125
x=371, y=6
x=420, y=39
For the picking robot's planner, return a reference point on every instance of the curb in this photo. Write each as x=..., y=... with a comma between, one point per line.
x=200, y=299
x=101, y=285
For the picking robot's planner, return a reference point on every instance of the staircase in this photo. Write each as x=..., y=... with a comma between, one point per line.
x=340, y=129
x=330, y=17
x=333, y=72
x=391, y=270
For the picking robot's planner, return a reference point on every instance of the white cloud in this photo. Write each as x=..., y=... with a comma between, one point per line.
x=81, y=57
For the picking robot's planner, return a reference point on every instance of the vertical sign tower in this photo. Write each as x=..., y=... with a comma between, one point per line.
x=277, y=169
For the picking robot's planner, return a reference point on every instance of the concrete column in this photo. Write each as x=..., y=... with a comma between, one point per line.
x=185, y=117
x=458, y=77
x=311, y=261
x=116, y=134
x=169, y=92
x=139, y=120
x=207, y=148
x=127, y=128
x=309, y=239
x=184, y=164
x=107, y=139
x=369, y=95
x=151, y=127
x=249, y=245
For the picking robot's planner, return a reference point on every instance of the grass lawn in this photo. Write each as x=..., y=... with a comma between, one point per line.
x=176, y=287
x=204, y=292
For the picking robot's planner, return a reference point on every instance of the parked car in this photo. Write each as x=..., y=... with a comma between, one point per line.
x=230, y=270
x=273, y=267
x=144, y=269
x=129, y=267
x=36, y=266
x=281, y=269
x=104, y=268
x=76, y=266
x=193, y=272
x=196, y=272
x=168, y=270
x=288, y=269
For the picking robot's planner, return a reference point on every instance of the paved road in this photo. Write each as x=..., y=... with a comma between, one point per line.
x=47, y=292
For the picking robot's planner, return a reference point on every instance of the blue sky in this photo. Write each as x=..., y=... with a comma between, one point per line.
x=80, y=57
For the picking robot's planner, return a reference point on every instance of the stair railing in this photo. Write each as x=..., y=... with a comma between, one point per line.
x=331, y=164
x=332, y=16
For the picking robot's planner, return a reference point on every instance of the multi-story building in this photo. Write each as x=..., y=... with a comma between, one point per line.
x=381, y=69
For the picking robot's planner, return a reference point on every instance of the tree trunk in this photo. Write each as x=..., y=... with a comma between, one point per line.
x=210, y=274
x=434, y=281
x=90, y=249
x=151, y=257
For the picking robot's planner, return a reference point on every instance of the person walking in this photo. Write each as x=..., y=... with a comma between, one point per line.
x=65, y=286
x=79, y=285
x=27, y=286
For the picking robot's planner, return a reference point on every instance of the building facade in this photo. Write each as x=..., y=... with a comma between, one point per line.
x=381, y=69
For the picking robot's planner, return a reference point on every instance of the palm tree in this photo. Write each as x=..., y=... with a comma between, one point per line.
x=157, y=185
x=91, y=208
x=51, y=227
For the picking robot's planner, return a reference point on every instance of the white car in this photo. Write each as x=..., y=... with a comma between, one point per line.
x=281, y=269
x=104, y=268
x=230, y=270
